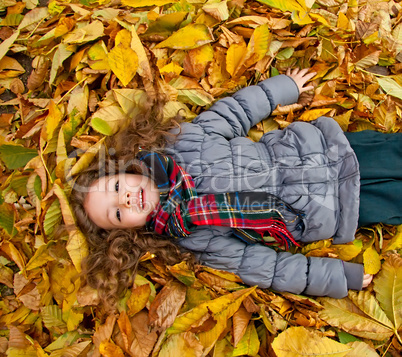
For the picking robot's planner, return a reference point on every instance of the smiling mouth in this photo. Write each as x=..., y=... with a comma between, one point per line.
x=141, y=199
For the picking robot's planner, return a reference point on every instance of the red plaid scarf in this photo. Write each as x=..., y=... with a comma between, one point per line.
x=252, y=215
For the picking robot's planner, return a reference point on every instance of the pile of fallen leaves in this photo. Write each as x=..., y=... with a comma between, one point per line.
x=88, y=58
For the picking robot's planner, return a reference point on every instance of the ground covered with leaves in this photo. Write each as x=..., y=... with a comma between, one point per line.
x=91, y=68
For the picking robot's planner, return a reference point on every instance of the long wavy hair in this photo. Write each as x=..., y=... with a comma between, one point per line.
x=114, y=255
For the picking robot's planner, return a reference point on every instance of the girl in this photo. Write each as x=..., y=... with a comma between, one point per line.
x=218, y=193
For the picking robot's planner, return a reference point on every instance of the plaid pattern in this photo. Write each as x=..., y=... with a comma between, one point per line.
x=180, y=210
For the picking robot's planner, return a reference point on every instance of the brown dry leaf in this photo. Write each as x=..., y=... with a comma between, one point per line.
x=143, y=339
x=167, y=304
x=104, y=332
x=241, y=318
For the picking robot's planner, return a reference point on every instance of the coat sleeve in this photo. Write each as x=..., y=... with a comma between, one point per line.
x=234, y=116
x=260, y=265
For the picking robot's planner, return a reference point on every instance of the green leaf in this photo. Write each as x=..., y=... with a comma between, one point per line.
x=7, y=217
x=285, y=54
x=52, y=217
x=345, y=337
x=12, y=20
x=19, y=185
x=15, y=156
x=390, y=87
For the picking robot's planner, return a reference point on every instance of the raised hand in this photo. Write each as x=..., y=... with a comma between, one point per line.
x=301, y=77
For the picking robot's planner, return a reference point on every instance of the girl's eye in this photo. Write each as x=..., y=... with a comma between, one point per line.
x=116, y=186
x=118, y=215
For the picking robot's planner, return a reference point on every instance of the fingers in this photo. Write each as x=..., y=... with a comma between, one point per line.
x=305, y=89
x=367, y=278
x=300, y=77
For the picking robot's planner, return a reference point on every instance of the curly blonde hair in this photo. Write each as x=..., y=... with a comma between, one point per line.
x=114, y=255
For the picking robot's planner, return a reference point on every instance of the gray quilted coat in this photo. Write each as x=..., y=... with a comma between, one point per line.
x=309, y=165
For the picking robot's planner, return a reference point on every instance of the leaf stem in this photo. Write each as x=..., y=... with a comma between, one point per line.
x=335, y=41
x=387, y=348
x=71, y=89
x=34, y=29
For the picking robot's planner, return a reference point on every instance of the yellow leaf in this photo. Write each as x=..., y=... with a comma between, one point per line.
x=286, y=5
x=344, y=119
x=61, y=148
x=234, y=57
x=142, y=3
x=124, y=63
x=188, y=37
x=109, y=120
x=216, y=306
x=184, y=345
x=344, y=314
x=371, y=260
x=172, y=67
x=64, y=205
x=302, y=18
x=385, y=114
x=360, y=349
x=123, y=37
x=319, y=18
x=6, y=44
x=396, y=241
x=41, y=257
x=86, y=33
x=388, y=288
x=77, y=248
x=299, y=341
x=258, y=45
x=249, y=344
x=203, y=55
x=52, y=121
x=13, y=253
x=217, y=9
x=222, y=311
x=343, y=21
x=130, y=100
x=138, y=299
x=65, y=25
x=86, y=160
x=313, y=114
x=109, y=349
x=144, y=68
x=347, y=252
x=97, y=55
x=367, y=303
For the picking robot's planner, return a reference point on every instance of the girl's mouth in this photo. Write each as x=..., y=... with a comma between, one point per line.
x=141, y=199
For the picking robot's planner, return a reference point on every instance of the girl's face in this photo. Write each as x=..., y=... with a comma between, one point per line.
x=121, y=201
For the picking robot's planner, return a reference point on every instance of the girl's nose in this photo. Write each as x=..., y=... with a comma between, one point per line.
x=127, y=200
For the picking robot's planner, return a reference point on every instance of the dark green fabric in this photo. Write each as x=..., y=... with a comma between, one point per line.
x=380, y=161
